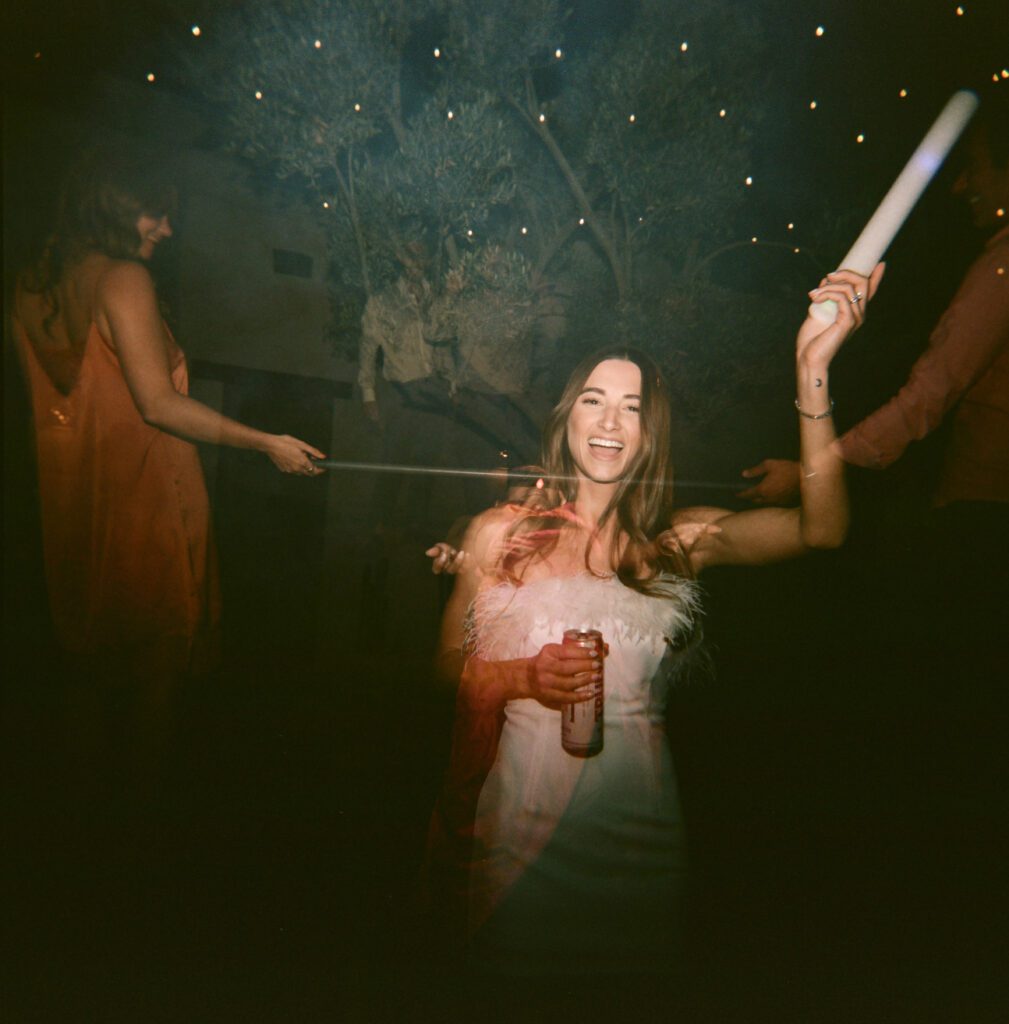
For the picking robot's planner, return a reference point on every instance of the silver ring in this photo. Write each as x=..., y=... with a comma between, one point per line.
x=856, y=299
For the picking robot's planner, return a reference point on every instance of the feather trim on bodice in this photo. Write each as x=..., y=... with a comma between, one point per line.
x=503, y=616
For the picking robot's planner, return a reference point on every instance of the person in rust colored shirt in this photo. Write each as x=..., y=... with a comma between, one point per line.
x=938, y=610
x=963, y=376
x=964, y=372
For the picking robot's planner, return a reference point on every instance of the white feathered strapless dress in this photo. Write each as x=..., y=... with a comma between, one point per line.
x=579, y=863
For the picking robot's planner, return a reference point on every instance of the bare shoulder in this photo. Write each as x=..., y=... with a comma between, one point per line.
x=124, y=281
x=695, y=534
x=487, y=532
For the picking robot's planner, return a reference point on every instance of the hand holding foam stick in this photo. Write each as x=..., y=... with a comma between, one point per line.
x=904, y=193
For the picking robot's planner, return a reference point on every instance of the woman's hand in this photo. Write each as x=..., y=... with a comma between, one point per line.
x=817, y=344
x=290, y=455
x=561, y=675
x=446, y=559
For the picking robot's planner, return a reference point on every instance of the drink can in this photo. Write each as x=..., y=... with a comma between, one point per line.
x=582, y=723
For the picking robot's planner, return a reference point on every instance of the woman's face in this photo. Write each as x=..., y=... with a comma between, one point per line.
x=151, y=230
x=604, y=425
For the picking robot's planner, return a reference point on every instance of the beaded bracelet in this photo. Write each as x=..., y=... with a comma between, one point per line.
x=820, y=416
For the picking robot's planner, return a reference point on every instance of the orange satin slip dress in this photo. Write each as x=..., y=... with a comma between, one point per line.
x=129, y=555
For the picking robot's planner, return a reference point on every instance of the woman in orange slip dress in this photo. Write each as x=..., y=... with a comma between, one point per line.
x=127, y=540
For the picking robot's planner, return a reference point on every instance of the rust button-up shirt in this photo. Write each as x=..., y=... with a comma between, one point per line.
x=964, y=369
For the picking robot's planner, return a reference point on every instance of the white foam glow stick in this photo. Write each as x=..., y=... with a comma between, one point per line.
x=877, y=235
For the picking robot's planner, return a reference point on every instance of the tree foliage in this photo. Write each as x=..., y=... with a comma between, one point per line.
x=606, y=170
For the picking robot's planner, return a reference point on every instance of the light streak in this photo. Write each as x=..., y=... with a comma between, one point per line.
x=496, y=474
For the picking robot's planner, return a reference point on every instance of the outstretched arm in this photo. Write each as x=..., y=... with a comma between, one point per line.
x=127, y=313
x=758, y=536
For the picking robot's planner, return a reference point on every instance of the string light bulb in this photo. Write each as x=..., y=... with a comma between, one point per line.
x=903, y=94
x=558, y=53
x=959, y=12
x=581, y=221
x=525, y=230
x=791, y=226
x=543, y=118
x=819, y=31
x=325, y=204
x=754, y=239
x=631, y=119
x=259, y=95
x=437, y=52
x=357, y=108
x=748, y=181
x=721, y=113
x=195, y=30
x=318, y=44
x=860, y=138
x=812, y=104
x=450, y=115
x=150, y=76
x=683, y=47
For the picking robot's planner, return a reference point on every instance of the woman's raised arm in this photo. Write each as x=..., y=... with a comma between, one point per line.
x=758, y=536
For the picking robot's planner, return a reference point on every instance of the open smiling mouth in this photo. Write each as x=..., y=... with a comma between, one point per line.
x=605, y=447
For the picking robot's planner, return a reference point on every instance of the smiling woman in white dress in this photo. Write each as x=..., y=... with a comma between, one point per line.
x=573, y=866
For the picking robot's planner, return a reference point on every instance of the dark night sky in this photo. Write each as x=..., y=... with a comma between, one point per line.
x=867, y=53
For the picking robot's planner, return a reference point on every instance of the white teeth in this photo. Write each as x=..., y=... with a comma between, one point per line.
x=604, y=442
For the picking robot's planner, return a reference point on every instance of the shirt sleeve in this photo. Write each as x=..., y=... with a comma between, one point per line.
x=964, y=343
x=371, y=341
